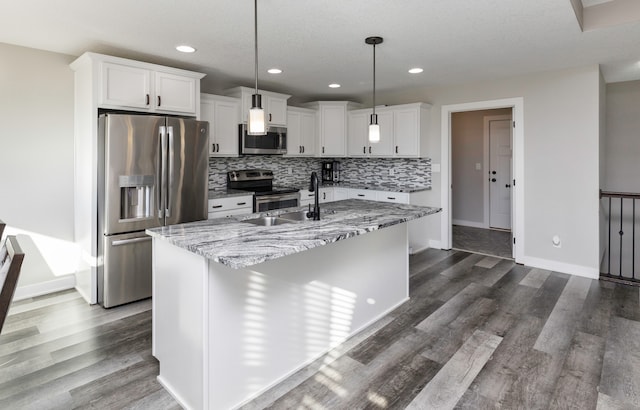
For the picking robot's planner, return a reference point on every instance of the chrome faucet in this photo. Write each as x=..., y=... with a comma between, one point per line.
x=313, y=187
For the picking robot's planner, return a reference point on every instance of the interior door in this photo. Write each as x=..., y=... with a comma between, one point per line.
x=500, y=174
x=187, y=170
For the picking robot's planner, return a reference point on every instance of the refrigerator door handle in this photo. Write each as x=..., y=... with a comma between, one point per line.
x=171, y=172
x=130, y=241
x=163, y=172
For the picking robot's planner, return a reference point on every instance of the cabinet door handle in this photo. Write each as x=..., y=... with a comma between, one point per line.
x=159, y=101
x=213, y=147
x=241, y=203
x=303, y=149
x=364, y=150
x=396, y=149
x=369, y=149
x=217, y=147
x=216, y=206
x=391, y=197
x=360, y=194
x=147, y=99
x=323, y=150
x=324, y=195
x=269, y=117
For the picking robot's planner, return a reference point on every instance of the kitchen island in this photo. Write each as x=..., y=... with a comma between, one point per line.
x=238, y=307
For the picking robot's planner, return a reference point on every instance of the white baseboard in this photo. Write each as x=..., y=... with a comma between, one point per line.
x=469, y=223
x=571, y=269
x=435, y=244
x=43, y=288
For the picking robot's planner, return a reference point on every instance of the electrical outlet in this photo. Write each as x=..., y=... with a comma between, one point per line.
x=557, y=243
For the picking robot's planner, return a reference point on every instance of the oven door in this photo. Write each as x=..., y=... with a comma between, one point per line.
x=263, y=203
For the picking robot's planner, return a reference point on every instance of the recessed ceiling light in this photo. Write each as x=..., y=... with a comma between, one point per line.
x=274, y=71
x=334, y=85
x=185, y=49
x=416, y=70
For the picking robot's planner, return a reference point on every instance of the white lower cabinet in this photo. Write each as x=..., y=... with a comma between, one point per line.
x=397, y=197
x=362, y=194
x=306, y=197
x=230, y=206
x=326, y=195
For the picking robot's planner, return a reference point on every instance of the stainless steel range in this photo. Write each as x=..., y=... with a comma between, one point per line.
x=266, y=197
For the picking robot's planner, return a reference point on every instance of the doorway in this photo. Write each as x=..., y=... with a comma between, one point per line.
x=481, y=159
x=516, y=165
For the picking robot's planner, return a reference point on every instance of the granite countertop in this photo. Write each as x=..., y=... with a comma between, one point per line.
x=239, y=244
x=226, y=193
x=389, y=186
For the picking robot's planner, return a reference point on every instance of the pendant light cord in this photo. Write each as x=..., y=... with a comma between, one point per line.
x=255, y=31
x=374, y=78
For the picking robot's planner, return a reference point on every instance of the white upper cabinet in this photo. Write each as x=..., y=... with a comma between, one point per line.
x=175, y=93
x=223, y=115
x=274, y=105
x=332, y=127
x=358, y=144
x=301, y=132
x=402, y=129
x=137, y=86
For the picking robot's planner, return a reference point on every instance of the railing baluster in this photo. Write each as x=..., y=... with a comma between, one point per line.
x=609, y=246
x=620, y=233
x=623, y=273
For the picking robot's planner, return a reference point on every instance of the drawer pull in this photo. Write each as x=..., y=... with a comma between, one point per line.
x=391, y=197
x=240, y=203
x=216, y=206
x=360, y=194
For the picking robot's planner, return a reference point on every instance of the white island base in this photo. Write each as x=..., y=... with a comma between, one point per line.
x=223, y=336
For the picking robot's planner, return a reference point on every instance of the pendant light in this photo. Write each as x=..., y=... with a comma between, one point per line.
x=256, y=121
x=374, y=128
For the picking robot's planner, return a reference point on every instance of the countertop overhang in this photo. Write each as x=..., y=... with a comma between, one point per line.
x=238, y=244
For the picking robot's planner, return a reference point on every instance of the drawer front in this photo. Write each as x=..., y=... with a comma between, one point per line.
x=397, y=197
x=234, y=202
x=362, y=194
x=230, y=212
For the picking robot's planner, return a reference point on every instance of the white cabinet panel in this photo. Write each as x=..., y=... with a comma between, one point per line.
x=357, y=138
x=362, y=194
x=276, y=110
x=223, y=115
x=397, y=197
x=385, y=147
x=175, y=93
x=301, y=132
x=229, y=206
x=340, y=193
x=407, y=132
x=274, y=104
x=125, y=86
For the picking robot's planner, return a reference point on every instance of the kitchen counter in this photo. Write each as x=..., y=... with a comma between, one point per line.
x=238, y=244
x=226, y=193
x=245, y=306
x=389, y=187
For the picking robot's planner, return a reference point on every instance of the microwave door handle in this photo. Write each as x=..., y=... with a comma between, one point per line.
x=171, y=172
x=161, y=178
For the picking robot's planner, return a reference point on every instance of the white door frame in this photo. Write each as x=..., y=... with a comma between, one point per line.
x=517, y=204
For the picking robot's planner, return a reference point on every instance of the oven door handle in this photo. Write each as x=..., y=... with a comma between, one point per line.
x=276, y=197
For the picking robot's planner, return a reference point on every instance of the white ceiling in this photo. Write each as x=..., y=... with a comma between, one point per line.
x=320, y=42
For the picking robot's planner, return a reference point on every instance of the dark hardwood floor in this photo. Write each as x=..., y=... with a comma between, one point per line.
x=478, y=333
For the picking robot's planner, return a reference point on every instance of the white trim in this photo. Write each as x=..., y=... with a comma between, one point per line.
x=468, y=223
x=44, y=288
x=433, y=244
x=571, y=269
x=517, y=105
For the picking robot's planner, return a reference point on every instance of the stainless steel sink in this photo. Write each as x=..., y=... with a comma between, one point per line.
x=296, y=216
x=267, y=221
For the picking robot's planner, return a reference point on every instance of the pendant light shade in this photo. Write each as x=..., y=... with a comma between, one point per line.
x=374, y=128
x=256, y=120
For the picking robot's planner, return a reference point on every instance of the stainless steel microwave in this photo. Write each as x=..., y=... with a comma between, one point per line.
x=274, y=142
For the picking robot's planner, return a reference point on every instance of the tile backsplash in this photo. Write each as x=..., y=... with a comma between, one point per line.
x=296, y=170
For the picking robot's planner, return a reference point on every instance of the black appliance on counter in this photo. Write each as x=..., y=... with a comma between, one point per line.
x=330, y=171
x=266, y=197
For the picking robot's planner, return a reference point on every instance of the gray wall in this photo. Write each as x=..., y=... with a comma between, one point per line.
x=36, y=157
x=467, y=149
x=561, y=160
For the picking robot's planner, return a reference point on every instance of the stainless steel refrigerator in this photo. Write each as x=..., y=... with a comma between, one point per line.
x=152, y=171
